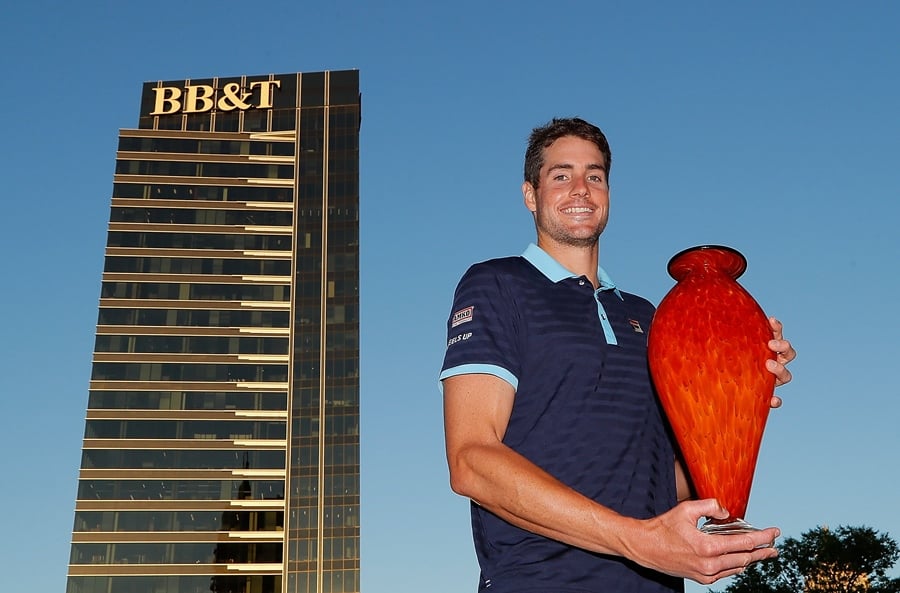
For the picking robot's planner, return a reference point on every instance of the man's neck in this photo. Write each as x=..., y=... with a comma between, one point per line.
x=581, y=261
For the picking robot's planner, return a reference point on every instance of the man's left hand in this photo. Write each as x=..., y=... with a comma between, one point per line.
x=784, y=352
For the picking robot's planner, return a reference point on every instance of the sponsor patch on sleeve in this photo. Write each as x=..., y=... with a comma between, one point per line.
x=462, y=316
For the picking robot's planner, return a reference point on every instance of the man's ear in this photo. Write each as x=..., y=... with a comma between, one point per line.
x=528, y=193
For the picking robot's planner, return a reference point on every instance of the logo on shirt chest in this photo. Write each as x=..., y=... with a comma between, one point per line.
x=636, y=325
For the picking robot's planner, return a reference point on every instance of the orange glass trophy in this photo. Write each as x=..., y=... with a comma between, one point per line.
x=707, y=349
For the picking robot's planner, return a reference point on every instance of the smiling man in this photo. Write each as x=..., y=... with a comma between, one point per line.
x=552, y=426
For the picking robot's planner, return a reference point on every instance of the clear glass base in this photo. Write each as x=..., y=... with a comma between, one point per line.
x=730, y=528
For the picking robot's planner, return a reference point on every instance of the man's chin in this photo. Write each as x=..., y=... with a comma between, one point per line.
x=582, y=241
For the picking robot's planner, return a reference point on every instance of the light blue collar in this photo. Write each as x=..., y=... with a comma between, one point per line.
x=556, y=272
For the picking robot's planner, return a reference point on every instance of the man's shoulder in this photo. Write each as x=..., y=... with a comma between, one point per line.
x=497, y=278
x=509, y=262
x=508, y=266
x=637, y=300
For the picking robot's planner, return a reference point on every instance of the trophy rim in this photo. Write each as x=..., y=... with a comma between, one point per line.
x=735, y=272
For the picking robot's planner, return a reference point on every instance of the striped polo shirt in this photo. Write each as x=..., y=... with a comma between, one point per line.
x=584, y=411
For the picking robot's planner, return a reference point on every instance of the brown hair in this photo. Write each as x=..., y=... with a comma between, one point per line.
x=549, y=133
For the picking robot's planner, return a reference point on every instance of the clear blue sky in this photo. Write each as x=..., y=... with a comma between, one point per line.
x=769, y=126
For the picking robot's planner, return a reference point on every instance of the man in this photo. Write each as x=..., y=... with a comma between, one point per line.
x=552, y=426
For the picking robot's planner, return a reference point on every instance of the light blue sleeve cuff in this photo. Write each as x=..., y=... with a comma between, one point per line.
x=480, y=369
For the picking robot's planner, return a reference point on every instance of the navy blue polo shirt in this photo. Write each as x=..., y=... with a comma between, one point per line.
x=584, y=411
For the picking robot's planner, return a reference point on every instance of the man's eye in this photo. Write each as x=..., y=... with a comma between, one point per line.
x=595, y=179
x=560, y=177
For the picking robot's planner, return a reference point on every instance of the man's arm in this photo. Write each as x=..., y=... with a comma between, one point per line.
x=477, y=408
x=476, y=412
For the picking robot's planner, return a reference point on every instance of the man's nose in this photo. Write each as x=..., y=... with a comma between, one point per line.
x=580, y=187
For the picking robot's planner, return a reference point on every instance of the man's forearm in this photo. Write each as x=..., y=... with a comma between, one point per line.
x=521, y=493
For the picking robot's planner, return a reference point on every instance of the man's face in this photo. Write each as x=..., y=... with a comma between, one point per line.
x=571, y=204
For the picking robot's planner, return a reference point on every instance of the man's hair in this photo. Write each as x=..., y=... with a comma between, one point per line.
x=557, y=128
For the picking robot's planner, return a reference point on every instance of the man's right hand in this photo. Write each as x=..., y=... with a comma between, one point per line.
x=671, y=543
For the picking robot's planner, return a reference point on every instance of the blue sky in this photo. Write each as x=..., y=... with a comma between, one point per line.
x=769, y=126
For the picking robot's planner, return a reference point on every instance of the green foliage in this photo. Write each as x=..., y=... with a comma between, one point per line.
x=842, y=560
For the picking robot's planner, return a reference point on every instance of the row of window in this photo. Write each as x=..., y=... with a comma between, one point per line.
x=181, y=459
x=308, y=217
x=336, y=340
x=342, y=285
x=345, y=119
x=342, y=189
x=342, y=168
x=340, y=163
x=333, y=581
x=146, y=371
x=346, y=236
x=193, y=317
x=206, y=146
x=335, y=517
x=341, y=484
x=343, y=140
x=180, y=490
x=308, y=263
x=192, y=344
x=241, y=170
x=337, y=484
x=338, y=423
x=176, y=553
x=184, y=429
x=187, y=265
x=306, y=316
x=334, y=548
x=156, y=215
x=190, y=521
x=335, y=454
x=188, y=400
x=338, y=394
x=195, y=292
x=337, y=263
x=190, y=584
x=137, y=371
x=305, y=456
x=234, y=241
x=342, y=368
x=240, y=193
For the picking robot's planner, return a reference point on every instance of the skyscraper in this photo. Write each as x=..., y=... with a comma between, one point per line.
x=221, y=443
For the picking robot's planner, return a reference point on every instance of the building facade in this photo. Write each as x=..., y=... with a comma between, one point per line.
x=221, y=443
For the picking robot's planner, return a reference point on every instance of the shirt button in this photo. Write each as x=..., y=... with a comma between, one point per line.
x=581, y=282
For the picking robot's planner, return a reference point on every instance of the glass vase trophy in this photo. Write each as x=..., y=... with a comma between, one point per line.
x=707, y=349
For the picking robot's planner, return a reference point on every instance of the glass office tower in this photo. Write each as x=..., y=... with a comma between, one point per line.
x=221, y=443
